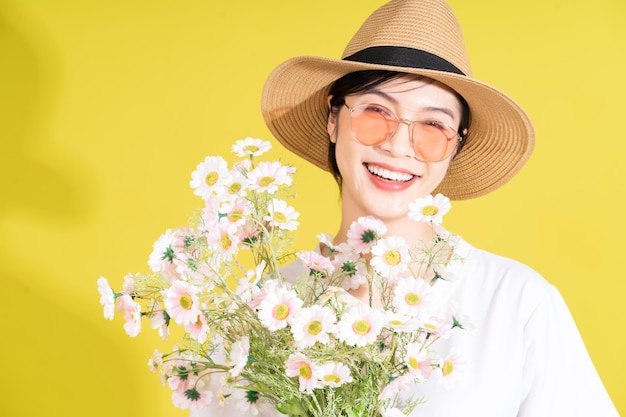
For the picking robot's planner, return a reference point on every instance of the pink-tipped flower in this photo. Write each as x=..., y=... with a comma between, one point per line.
x=279, y=308
x=316, y=262
x=451, y=368
x=396, y=386
x=181, y=303
x=198, y=330
x=417, y=361
x=360, y=325
x=225, y=240
x=239, y=356
x=364, y=232
x=411, y=296
x=158, y=321
x=234, y=211
x=193, y=395
x=300, y=366
x=132, y=314
x=313, y=325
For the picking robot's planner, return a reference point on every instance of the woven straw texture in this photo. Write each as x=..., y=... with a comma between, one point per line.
x=500, y=138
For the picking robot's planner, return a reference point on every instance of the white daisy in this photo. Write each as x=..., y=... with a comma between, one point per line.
x=429, y=209
x=268, y=176
x=313, y=325
x=107, y=298
x=239, y=355
x=251, y=147
x=391, y=412
x=411, y=296
x=451, y=368
x=334, y=374
x=234, y=211
x=417, y=361
x=235, y=182
x=390, y=256
x=401, y=322
x=208, y=178
x=360, y=325
x=162, y=251
x=282, y=215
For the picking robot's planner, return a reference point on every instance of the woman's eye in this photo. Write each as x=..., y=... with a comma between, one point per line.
x=435, y=124
x=379, y=110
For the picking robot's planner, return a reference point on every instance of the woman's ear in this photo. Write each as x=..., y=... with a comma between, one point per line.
x=331, y=126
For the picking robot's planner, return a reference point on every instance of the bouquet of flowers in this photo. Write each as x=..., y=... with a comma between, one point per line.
x=270, y=329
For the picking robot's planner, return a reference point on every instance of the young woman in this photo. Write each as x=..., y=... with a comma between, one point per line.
x=400, y=117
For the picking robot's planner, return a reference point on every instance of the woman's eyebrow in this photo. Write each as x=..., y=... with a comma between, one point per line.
x=443, y=110
x=381, y=93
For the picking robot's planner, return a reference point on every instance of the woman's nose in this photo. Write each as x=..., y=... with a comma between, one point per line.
x=401, y=142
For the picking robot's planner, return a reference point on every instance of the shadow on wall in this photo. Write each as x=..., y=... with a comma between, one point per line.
x=51, y=353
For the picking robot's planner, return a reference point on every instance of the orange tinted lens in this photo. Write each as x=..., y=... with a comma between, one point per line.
x=370, y=124
x=431, y=142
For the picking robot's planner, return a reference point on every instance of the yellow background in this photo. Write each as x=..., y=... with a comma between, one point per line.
x=106, y=107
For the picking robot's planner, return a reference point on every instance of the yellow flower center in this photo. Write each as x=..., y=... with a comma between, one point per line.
x=447, y=368
x=305, y=371
x=413, y=363
x=281, y=311
x=314, y=328
x=430, y=210
x=430, y=326
x=211, y=178
x=185, y=301
x=225, y=242
x=361, y=327
x=234, y=188
x=332, y=378
x=235, y=215
x=280, y=217
x=392, y=257
x=265, y=181
x=251, y=149
x=412, y=299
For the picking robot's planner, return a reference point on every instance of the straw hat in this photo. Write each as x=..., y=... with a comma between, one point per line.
x=416, y=37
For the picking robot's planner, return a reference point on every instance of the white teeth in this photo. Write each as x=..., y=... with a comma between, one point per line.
x=389, y=175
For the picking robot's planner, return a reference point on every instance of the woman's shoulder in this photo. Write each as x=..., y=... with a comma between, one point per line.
x=495, y=273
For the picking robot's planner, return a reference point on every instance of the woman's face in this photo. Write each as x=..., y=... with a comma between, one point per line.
x=382, y=180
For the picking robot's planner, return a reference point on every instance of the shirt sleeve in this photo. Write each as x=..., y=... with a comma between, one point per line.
x=559, y=377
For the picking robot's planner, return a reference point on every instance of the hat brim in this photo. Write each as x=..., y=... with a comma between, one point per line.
x=499, y=142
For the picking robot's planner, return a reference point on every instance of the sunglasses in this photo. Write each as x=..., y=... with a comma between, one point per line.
x=373, y=125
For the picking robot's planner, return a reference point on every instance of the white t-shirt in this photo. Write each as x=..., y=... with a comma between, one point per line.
x=525, y=357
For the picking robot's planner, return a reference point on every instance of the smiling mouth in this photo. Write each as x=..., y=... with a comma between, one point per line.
x=389, y=175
